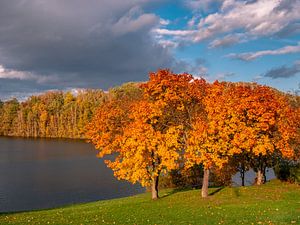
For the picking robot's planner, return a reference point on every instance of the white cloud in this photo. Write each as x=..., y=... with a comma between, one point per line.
x=260, y=18
x=164, y=22
x=192, y=21
x=226, y=41
x=168, y=43
x=134, y=21
x=248, y=56
x=253, y=18
x=257, y=78
x=201, y=5
x=23, y=75
x=160, y=31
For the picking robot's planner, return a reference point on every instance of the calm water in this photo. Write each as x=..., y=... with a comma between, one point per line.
x=44, y=173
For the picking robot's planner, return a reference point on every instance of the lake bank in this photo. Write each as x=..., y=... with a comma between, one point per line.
x=272, y=203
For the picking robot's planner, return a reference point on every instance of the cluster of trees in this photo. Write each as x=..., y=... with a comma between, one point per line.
x=57, y=114
x=171, y=125
x=175, y=121
x=53, y=114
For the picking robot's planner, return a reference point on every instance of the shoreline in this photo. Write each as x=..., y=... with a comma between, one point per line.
x=44, y=138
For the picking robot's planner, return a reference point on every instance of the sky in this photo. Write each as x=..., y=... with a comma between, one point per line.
x=70, y=44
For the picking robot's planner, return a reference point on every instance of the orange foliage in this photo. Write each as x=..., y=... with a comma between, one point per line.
x=145, y=151
x=208, y=141
x=241, y=118
x=178, y=115
x=146, y=133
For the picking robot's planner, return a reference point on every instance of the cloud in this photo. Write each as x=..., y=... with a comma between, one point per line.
x=134, y=21
x=289, y=30
x=21, y=75
x=164, y=22
x=254, y=55
x=197, y=67
x=218, y=76
x=223, y=76
x=160, y=31
x=93, y=43
x=168, y=43
x=284, y=71
x=255, y=19
x=202, y=5
x=226, y=41
x=257, y=78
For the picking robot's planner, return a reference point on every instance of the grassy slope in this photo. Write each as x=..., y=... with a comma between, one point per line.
x=272, y=203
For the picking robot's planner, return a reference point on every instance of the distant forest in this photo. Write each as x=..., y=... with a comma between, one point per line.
x=56, y=114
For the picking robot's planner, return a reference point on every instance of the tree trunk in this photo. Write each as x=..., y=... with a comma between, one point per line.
x=264, y=175
x=154, y=188
x=204, y=191
x=243, y=177
x=242, y=173
x=259, y=177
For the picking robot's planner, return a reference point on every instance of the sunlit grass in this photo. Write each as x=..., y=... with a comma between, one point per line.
x=272, y=203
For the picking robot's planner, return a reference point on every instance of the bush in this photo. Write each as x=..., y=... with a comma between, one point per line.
x=295, y=174
x=288, y=171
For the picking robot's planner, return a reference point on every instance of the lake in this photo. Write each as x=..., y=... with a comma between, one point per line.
x=46, y=173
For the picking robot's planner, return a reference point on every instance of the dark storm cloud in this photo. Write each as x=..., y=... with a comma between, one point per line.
x=82, y=43
x=284, y=71
x=21, y=89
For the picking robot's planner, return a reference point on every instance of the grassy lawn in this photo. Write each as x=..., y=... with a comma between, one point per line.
x=272, y=203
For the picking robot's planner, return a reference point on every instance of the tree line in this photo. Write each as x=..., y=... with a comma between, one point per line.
x=53, y=114
x=175, y=121
x=56, y=114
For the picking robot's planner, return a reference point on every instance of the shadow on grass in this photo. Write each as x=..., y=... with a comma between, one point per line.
x=236, y=192
x=176, y=190
x=216, y=191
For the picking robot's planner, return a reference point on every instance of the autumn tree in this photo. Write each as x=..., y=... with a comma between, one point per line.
x=146, y=133
x=209, y=138
x=266, y=126
x=176, y=96
x=128, y=90
x=145, y=151
x=9, y=116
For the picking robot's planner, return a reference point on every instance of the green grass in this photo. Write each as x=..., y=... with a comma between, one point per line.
x=272, y=203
